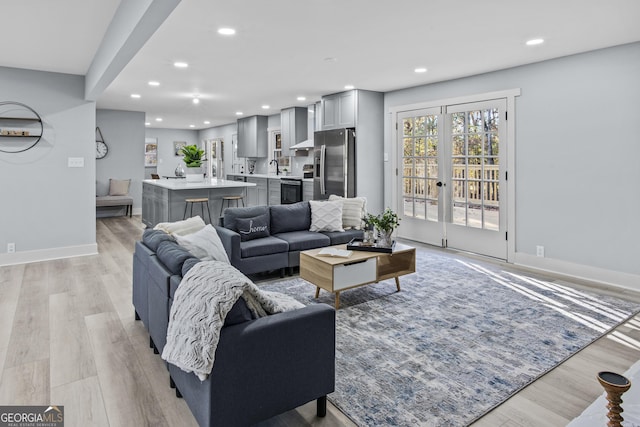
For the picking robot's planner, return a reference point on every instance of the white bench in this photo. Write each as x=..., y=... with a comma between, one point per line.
x=126, y=201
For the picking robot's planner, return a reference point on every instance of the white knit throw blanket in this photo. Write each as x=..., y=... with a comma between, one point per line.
x=201, y=304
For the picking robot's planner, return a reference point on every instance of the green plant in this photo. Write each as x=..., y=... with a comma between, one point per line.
x=193, y=156
x=386, y=221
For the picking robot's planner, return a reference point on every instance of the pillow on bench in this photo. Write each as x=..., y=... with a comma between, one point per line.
x=119, y=187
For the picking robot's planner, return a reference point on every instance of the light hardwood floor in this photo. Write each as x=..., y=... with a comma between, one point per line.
x=68, y=337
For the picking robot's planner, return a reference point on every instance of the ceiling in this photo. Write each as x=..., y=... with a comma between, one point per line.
x=289, y=48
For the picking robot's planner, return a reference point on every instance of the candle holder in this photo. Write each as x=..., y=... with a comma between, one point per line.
x=614, y=385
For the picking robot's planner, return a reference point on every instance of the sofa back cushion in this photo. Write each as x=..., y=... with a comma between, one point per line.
x=153, y=238
x=232, y=214
x=173, y=256
x=293, y=217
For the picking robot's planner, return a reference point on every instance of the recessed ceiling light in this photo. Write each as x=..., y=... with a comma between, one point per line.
x=265, y=107
x=534, y=42
x=180, y=64
x=206, y=122
x=158, y=119
x=154, y=83
x=349, y=87
x=135, y=95
x=226, y=31
x=420, y=70
x=147, y=124
x=239, y=113
x=301, y=98
x=192, y=126
x=195, y=101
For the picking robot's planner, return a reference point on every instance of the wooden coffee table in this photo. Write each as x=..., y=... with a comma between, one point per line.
x=336, y=274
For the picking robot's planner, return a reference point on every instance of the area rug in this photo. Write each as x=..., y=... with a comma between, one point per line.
x=460, y=338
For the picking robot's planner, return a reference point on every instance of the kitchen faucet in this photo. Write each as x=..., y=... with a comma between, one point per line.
x=277, y=167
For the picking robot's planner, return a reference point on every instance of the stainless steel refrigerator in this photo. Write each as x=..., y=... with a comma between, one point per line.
x=334, y=163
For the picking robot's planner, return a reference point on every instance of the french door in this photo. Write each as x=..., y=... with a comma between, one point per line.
x=452, y=189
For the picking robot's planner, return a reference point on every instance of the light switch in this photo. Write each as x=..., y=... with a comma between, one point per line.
x=386, y=157
x=75, y=162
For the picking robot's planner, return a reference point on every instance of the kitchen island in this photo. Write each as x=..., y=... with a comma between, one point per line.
x=163, y=200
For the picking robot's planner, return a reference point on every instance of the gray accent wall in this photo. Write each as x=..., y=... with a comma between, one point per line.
x=48, y=209
x=124, y=133
x=576, y=156
x=167, y=160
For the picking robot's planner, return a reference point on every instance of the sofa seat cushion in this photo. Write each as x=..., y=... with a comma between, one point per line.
x=303, y=240
x=342, y=237
x=291, y=217
x=265, y=246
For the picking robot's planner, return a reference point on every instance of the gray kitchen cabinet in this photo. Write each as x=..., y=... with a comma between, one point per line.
x=258, y=195
x=293, y=127
x=339, y=110
x=364, y=111
x=274, y=191
x=252, y=136
x=307, y=190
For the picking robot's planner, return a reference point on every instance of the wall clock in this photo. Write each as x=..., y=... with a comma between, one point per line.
x=101, y=146
x=101, y=149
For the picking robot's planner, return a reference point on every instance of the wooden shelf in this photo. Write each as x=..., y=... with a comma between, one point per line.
x=33, y=125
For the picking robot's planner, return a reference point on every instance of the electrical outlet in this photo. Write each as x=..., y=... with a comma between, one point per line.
x=540, y=251
x=11, y=248
x=75, y=162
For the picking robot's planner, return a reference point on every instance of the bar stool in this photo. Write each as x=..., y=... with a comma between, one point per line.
x=228, y=199
x=202, y=200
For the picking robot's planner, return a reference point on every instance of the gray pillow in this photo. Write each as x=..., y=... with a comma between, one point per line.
x=230, y=215
x=293, y=217
x=253, y=228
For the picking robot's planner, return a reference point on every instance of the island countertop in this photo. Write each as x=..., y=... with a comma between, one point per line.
x=182, y=184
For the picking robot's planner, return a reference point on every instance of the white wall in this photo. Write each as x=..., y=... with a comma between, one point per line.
x=576, y=169
x=167, y=160
x=124, y=133
x=48, y=209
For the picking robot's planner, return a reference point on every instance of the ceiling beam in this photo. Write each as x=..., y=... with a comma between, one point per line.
x=132, y=25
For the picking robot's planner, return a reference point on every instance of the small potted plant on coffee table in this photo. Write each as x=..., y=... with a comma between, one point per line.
x=385, y=224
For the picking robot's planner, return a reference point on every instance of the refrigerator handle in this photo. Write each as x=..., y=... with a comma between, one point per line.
x=323, y=149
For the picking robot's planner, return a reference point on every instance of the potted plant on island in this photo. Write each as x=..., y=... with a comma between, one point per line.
x=193, y=157
x=385, y=224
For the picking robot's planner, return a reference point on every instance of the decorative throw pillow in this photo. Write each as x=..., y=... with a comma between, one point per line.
x=181, y=228
x=253, y=228
x=119, y=187
x=326, y=216
x=204, y=244
x=353, y=210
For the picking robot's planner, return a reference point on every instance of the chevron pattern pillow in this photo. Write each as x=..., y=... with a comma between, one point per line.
x=326, y=216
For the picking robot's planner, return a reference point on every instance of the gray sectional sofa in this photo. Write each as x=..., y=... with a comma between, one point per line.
x=287, y=234
x=263, y=367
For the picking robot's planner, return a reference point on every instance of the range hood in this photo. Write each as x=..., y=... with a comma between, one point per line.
x=304, y=145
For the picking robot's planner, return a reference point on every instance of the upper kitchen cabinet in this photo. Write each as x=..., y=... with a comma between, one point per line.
x=252, y=136
x=364, y=111
x=293, y=127
x=339, y=110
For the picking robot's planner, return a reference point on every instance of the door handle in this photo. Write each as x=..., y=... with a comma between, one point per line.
x=439, y=184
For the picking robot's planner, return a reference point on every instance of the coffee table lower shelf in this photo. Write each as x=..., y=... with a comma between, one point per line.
x=336, y=275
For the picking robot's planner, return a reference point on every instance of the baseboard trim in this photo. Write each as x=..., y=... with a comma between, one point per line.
x=578, y=271
x=48, y=254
